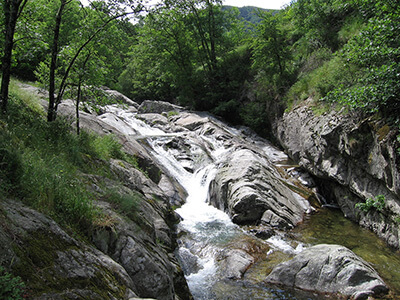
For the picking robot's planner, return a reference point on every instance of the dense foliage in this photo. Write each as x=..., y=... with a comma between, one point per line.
x=245, y=65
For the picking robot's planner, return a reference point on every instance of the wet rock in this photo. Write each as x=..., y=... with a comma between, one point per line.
x=251, y=191
x=155, y=120
x=263, y=232
x=235, y=263
x=329, y=269
x=189, y=261
x=191, y=121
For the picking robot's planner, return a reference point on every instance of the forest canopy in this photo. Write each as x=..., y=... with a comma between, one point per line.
x=240, y=65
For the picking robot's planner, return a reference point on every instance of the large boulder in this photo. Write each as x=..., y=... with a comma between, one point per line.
x=354, y=158
x=142, y=240
x=251, y=191
x=329, y=269
x=53, y=264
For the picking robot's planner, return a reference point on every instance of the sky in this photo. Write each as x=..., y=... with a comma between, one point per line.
x=271, y=4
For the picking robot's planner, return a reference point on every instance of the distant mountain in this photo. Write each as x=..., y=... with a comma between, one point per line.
x=249, y=13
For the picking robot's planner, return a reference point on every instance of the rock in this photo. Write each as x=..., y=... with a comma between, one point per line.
x=142, y=241
x=272, y=219
x=330, y=269
x=235, y=263
x=120, y=98
x=189, y=261
x=262, y=232
x=355, y=159
x=54, y=265
x=155, y=120
x=149, y=106
x=251, y=191
x=191, y=121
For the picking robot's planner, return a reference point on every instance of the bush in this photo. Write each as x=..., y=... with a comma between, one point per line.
x=11, y=288
x=374, y=52
x=378, y=203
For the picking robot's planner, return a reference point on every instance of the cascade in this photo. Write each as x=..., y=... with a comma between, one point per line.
x=205, y=230
x=205, y=233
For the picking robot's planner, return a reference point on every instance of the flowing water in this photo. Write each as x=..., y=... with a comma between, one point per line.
x=205, y=233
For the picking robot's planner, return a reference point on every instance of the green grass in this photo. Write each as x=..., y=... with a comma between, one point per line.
x=42, y=163
x=320, y=81
x=126, y=203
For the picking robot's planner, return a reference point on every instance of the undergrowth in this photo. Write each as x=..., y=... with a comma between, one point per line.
x=41, y=162
x=11, y=288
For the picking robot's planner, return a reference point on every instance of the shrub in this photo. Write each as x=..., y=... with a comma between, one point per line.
x=320, y=81
x=11, y=288
x=377, y=203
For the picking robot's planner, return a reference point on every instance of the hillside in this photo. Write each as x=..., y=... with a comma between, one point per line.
x=250, y=13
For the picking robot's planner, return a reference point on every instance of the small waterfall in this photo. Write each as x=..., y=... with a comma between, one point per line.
x=207, y=229
x=205, y=232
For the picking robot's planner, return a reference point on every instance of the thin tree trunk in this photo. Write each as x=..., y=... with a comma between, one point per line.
x=78, y=100
x=12, y=10
x=51, y=112
x=79, y=96
x=63, y=84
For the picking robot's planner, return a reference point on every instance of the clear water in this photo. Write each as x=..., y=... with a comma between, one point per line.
x=330, y=226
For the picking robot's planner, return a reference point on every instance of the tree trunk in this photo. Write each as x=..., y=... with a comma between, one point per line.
x=51, y=112
x=12, y=10
x=78, y=100
x=79, y=94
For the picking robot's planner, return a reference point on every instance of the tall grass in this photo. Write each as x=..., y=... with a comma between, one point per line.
x=41, y=162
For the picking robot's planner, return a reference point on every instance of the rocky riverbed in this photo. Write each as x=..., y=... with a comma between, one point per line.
x=237, y=200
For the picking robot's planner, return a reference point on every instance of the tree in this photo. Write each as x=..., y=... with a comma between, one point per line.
x=271, y=51
x=180, y=54
x=51, y=112
x=319, y=21
x=112, y=7
x=12, y=10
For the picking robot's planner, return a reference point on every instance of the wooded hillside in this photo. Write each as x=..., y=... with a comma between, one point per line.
x=197, y=53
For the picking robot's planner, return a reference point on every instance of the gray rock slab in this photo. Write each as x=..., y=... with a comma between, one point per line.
x=329, y=269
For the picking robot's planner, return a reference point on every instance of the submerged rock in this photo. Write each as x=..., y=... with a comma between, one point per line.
x=329, y=269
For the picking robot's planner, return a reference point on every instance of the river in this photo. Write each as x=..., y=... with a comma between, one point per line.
x=206, y=234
